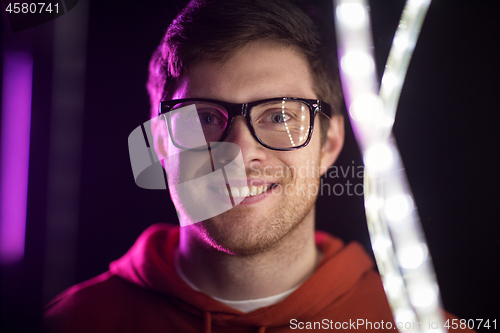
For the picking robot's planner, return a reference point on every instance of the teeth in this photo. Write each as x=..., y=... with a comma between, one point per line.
x=244, y=191
x=261, y=188
x=235, y=192
x=253, y=191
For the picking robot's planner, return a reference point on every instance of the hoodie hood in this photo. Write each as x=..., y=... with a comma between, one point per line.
x=150, y=264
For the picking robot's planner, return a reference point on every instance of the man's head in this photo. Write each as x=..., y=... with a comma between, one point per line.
x=215, y=30
x=239, y=52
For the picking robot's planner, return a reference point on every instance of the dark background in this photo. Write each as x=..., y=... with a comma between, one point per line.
x=447, y=131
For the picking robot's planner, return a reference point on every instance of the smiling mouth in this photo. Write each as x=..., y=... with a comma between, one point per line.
x=244, y=191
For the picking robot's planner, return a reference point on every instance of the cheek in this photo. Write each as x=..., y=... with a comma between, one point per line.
x=303, y=164
x=186, y=166
x=172, y=168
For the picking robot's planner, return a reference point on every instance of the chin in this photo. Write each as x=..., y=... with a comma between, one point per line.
x=237, y=234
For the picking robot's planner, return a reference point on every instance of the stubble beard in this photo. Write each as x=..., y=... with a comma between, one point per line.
x=247, y=230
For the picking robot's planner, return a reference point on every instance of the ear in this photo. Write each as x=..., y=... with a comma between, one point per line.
x=160, y=135
x=333, y=144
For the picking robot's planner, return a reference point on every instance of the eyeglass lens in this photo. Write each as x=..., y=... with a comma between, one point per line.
x=278, y=124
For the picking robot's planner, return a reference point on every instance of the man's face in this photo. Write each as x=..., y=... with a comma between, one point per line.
x=257, y=71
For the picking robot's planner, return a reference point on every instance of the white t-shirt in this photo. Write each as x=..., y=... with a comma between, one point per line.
x=244, y=306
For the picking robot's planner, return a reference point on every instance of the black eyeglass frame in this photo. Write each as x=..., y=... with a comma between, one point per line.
x=244, y=109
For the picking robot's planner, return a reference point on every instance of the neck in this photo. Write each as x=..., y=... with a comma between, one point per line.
x=287, y=264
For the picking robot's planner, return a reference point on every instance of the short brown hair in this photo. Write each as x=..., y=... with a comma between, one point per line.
x=216, y=29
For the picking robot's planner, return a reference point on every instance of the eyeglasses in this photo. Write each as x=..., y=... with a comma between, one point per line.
x=283, y=123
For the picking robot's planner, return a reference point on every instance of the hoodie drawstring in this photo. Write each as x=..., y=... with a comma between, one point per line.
x=207, y=322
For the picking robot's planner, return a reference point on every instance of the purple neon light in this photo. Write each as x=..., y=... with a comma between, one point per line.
x=16, y=121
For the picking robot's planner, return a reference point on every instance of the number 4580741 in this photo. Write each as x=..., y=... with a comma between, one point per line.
x=32, y=8
x=473, y=324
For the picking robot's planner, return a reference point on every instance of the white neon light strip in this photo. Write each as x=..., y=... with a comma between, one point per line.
x=400, y=54
x=397, y=239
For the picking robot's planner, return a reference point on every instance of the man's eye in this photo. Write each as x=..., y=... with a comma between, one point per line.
x=209, y=118
x=279, y=117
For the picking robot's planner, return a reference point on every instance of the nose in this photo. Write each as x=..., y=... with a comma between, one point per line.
x=241, y=135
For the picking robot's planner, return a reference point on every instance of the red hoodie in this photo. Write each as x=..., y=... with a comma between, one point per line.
x=142, y=292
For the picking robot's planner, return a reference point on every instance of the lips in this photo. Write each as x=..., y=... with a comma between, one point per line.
x=244, y=191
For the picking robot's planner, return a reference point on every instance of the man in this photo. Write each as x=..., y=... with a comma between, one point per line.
x=259, y=76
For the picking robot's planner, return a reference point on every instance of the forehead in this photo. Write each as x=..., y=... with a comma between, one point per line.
x=256, y=71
